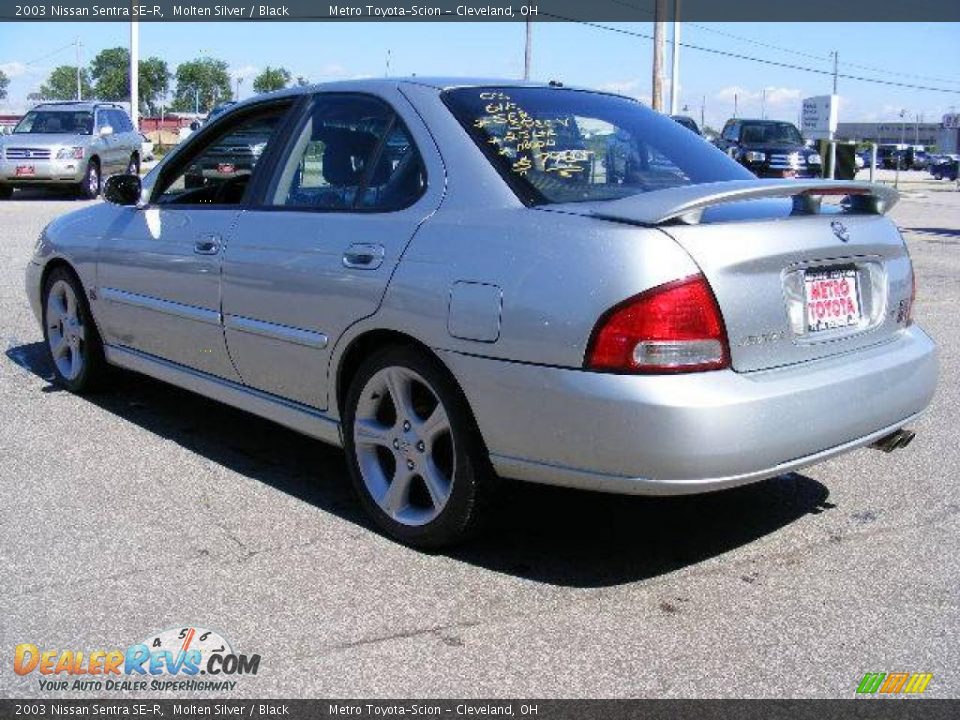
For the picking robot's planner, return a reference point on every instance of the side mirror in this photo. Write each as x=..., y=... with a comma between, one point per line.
x=123, y=190
x=106, y=130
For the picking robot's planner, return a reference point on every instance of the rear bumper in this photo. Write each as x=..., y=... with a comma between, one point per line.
x=692, y=433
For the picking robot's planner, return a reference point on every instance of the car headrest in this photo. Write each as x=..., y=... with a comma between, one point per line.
x=345, y=153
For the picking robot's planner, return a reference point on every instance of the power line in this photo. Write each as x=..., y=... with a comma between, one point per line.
x=791, y=51
x=51, y=54
x=764, y=61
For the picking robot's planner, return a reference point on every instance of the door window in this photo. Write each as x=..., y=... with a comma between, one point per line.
x=352, y=153
x=218, y=171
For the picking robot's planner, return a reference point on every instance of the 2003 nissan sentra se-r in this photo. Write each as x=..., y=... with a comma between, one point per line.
x=459, y=281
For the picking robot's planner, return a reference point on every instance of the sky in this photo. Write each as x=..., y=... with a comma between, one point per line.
x=575, y=54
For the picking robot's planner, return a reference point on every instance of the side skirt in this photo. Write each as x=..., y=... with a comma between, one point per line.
x=293, y=415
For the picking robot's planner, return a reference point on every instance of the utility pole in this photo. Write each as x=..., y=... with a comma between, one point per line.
x=135, y=74
x=79, y=85
x=735, y=103
x=239, y=82
x=528, y=50
x=835, y=56
x=675, y=64
x=763, y=104
x=833, y=141
x=703, y=111
x=658, y=33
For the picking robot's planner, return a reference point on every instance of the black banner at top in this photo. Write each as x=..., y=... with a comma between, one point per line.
x=477, y=10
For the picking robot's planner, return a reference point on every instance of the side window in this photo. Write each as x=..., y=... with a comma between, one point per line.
x=218, y=171
x=122, y=122
x=730, y=131
x=353, y=152
x=103, y=119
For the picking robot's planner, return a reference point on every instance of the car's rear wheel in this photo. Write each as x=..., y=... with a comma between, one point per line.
x=133, y=167
x=90, y=185
x=6, y=192
x=415, y=455
x=72, y=338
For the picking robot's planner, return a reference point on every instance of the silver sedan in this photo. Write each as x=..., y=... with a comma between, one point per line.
x=459, y=281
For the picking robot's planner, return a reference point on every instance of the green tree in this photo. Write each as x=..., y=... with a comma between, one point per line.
x=62, y=84
x=110, y=70
x=154, y=83
x=206, y=75
x=4, y=83
x=302, y=81
x=272, y=79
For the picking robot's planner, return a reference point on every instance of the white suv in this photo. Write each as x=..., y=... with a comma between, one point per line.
x=69, y=144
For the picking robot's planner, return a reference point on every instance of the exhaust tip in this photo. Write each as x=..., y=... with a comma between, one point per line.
x=896, y=440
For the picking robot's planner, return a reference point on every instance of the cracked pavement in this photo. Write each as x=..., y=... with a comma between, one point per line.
x=147, y=508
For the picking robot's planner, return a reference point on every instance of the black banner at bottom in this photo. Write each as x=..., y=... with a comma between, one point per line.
x=874, y=707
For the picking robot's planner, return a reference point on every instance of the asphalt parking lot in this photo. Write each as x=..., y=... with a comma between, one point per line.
x=148, y=507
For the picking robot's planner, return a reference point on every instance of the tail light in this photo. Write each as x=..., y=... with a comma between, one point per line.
x=672, y=328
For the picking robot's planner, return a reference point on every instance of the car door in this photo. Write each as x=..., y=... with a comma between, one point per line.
x=158, y=271
x=317, y=251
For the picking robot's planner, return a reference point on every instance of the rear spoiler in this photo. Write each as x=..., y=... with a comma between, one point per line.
x=685, y=204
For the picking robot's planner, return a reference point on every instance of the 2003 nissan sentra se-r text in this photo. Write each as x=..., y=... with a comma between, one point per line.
x=459, y=281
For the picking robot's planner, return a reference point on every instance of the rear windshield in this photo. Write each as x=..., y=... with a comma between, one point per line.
x=770, y=133
x=55, y=122
x=556, y=146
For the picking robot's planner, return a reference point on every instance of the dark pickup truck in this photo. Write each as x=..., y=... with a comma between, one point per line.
x=769, y=148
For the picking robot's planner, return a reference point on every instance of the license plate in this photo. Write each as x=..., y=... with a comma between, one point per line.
x=226, y=168
x=832, y=298
x=25, y=170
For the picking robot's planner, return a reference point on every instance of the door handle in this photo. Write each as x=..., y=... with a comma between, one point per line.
x=207, y=245
x=363, y=256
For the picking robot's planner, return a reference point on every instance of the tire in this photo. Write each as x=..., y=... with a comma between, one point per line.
x=90, y=185
x=133, y=167
x=433, y=448
x=6, y=192
x=937, y=176
x=75, y=347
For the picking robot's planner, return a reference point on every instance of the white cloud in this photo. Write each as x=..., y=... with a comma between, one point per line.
x=14, y=69
x=333, y=70
x=634, y=88
x=775, y=96
x=245, y=71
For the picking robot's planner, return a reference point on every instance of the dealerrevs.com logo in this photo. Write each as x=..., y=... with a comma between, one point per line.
x=180, y=659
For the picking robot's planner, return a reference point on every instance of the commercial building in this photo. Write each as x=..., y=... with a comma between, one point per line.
x=886, y=133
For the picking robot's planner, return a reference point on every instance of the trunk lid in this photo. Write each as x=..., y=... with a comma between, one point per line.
x=792, y=286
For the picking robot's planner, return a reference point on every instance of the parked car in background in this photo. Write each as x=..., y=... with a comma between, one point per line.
x=218, y=110
x=944, y=166
x=769, y=148
x=69, y=144
x=146, y=149
x=919, y=159
x=405, y=271
x=688, y=122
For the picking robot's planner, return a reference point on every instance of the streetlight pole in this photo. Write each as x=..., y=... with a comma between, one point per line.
x=135, y=74
x=903, y=131
x=528, y=50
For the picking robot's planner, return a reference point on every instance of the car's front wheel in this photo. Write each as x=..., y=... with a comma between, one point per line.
x=90, y=185
x=72, y=338
x=415, y=455
x=6, y=192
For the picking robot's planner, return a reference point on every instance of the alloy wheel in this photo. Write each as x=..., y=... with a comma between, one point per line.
x=404, y=446
x=66, y=333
